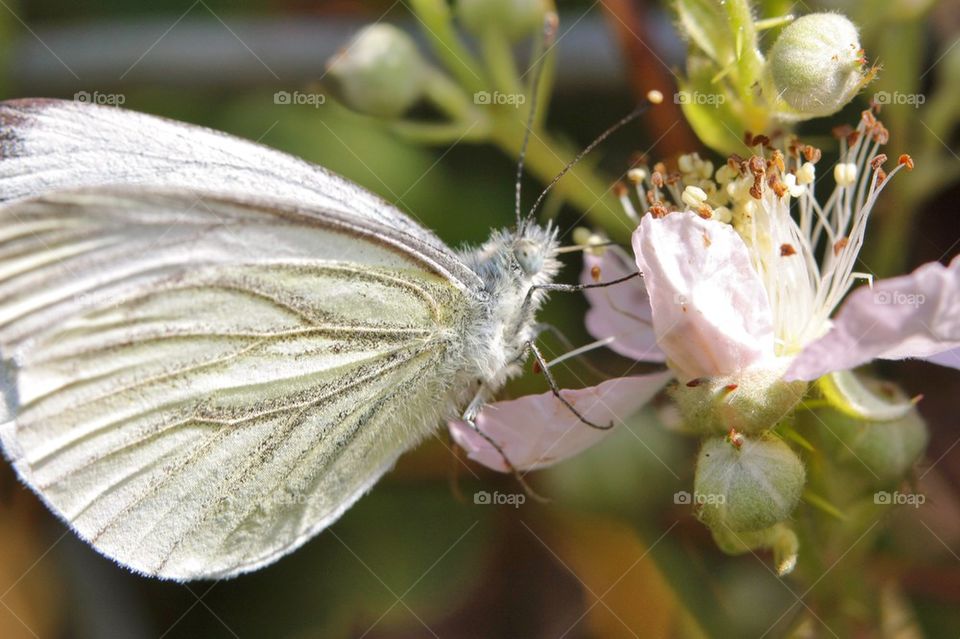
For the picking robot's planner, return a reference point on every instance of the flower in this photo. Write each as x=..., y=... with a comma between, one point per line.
x=738, y=283
x=738, y=298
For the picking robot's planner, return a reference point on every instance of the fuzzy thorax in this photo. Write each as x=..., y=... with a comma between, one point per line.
x=512, y=265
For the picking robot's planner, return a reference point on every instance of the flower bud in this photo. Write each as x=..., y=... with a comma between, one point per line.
x=516, y=18
x=888, y=449
x=779, y=538
x=380, y=72
x=750, y=402
x=747, y=484
x=815, y=67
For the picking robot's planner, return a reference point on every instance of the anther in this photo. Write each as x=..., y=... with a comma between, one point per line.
x=840, y=244
x=735, y=438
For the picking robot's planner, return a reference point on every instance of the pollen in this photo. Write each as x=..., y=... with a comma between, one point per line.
x=812, y=153
x=654, y=96
x=735, y=438
x=659, y=210
x=845, y=173
x=694, y=197
x=840, y=244
x=595, y=273
x=807, y=173
x=905, y=160
x=786, y=250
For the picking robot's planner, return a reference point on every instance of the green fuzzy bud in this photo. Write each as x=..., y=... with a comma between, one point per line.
x=747, y=484
x=779, y=538
x=815, y=67
x=380, y=72
x=515, y=18
x=888, y=449
x=750, y=402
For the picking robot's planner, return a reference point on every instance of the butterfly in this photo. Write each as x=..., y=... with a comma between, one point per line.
x=212, y=349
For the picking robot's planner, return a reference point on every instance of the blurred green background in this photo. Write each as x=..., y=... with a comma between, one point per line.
x=611, y=555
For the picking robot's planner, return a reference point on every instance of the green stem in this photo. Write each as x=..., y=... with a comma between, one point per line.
x=477, y=131
x=449, y=97
x=498, y=57
x=437, y=22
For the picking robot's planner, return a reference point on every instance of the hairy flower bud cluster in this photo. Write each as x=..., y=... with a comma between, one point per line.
x=380, y=72
x=815, y=67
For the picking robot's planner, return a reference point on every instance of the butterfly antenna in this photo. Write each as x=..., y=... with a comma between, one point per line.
x=653, y=98
x=545, y=42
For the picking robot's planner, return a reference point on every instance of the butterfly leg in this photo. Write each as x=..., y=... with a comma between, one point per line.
x=543, y=327
x=469, y=416
x=538, y=356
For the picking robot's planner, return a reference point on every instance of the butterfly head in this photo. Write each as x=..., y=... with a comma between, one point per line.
x=534, y=253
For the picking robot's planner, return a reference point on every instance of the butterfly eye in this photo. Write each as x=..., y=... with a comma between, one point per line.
x=528, y=258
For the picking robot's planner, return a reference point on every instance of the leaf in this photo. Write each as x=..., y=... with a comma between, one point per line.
x=705, y=23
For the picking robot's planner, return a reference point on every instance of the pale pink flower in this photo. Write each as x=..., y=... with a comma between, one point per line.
x=743, y=273
x=538, y=430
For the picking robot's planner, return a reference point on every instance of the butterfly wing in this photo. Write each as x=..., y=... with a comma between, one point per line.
x=50, y=144
x=200, y=384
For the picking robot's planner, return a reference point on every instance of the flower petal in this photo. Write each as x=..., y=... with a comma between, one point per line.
x=535, y=431
x=621, y=311
x=915, y=315
x=711, y=313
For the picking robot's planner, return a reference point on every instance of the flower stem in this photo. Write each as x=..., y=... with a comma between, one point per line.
x=436, y=19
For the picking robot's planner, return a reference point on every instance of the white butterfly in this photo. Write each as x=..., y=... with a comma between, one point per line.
x=214, y=349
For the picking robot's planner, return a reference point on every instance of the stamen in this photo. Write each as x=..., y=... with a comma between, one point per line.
x=659, y=210
x=735, y=438
x=812, y=154
x=840, y=244
x=845, y=173
x=905, y=160
x=807, y=173
x=694, y=196
x=600, y=343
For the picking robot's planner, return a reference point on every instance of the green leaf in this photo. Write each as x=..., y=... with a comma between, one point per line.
x=705, y=23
